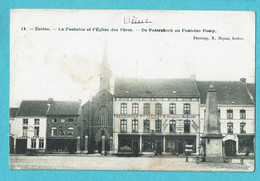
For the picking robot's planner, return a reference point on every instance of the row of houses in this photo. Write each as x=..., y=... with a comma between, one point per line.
x=140, y=116
x=45, y=126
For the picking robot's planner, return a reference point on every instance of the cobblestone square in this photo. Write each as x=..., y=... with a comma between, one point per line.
x=82, y=162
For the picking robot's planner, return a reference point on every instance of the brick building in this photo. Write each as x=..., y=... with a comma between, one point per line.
x=97, y=114
x=64, y=126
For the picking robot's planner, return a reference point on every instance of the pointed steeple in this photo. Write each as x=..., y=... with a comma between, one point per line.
x=105, y=72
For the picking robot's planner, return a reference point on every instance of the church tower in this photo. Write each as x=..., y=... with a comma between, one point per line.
x=105, y=72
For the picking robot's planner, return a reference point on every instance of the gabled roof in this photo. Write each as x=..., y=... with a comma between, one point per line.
x=33, y=108
x=64, y=108
x=13, y=111
x=152, y=88
x=228, y=92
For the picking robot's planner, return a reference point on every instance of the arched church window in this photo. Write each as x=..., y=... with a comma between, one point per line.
x=103, y=116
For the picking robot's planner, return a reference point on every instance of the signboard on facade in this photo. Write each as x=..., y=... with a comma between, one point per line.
x=188, y=149
x=154, y=116
x=165, y=124
x=194, y=125
x=179, y=126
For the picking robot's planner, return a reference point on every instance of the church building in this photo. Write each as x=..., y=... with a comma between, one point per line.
x=97, y=114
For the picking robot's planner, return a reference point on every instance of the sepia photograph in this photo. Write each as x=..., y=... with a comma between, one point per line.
x=144, y=90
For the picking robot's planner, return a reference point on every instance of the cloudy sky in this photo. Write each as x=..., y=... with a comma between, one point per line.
x=64, y=65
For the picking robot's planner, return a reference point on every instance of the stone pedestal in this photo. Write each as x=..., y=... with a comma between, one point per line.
x=103, y=145
x=78, y=144
x=86, y=144
x=213, y=148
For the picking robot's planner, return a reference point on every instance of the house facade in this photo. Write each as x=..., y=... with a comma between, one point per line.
x=12, y=137
x=64, y=126
x=236, y=112
x=28, y=127
x=159, y=116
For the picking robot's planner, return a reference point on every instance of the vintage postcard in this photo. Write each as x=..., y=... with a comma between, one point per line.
x=132, y=90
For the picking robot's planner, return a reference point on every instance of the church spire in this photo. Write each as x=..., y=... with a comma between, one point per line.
x=105, y=73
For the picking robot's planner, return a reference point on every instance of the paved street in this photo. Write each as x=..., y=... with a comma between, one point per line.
x=82, y=162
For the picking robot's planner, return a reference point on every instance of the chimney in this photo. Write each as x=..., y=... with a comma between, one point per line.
x=50, y=100
x=193, y=77
x=243, y=80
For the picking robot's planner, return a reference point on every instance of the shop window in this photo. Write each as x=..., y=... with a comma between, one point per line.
x=123, y=108
x=54, y=120
x=230, y=128
x=61, y=132
x=71, y=120
x=172, y=126
x=186, y=108
x=70, y=131
x=242, y=114
x=148, y=144
x=171, y=146
x=152, y=143
x=62, y=120
x=158, y=126
x=158, y=108
x=135, y=126
x=36, y=131
x=146, y=126
x=125, y=144
x=246, y=144
x=123, y=125
x=229, y=114
x=41, y=143
x=135, y=108
x=187, y=126
x=25, y=130
x=103, y=116
x=25, y=121
x=242, y=127
x=146, y=108
x=53, y=131
x=36, y=121
x=172, y=108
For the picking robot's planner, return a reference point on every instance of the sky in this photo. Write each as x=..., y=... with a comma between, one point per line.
x=65, y=65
